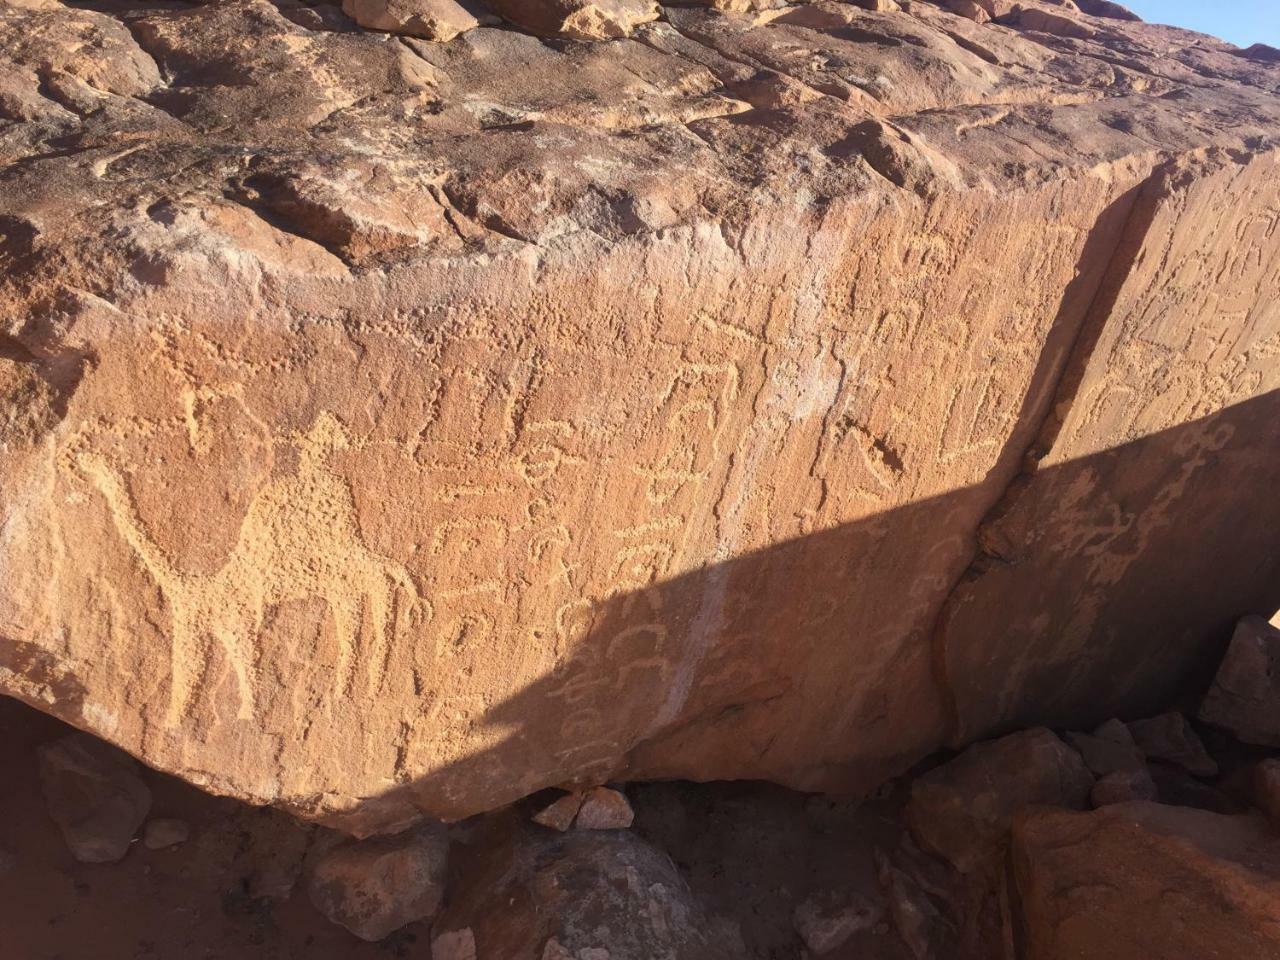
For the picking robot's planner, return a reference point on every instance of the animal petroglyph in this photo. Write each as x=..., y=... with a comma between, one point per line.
x=299, y=540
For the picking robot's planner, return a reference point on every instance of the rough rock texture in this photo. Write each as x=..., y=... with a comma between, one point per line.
x=94, y=795
x=375, y=886
x=518, y=894
x=1245, y=696
x=1169, y=738
x=604, y=809
x=962, y=810
x=1121, y=786
x=428, y=19
x=1145, y=882
x=395, y=428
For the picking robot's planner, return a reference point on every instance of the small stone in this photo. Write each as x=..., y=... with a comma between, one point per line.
x=95, y=796
x=1245, y=696
x=373, y=887
x=1042, y=21
x=554, y=950
x=604, y=808
x=454, y=945
x=438, y=20
x=1122, y=786
x=1266, y=788
x=559, y=814
x=826, y=921
x=165, y=832
x=1170, y=738
x=1115, y=731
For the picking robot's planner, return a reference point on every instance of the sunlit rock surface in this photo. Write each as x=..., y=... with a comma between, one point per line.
x=395, y=427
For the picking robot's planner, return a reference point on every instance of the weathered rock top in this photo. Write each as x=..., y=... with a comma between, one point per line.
x=381, y=147
x=393, y=426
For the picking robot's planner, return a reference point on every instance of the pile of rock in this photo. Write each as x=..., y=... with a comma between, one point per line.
x=1147, y=839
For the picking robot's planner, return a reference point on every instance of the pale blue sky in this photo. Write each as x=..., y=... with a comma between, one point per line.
x=1240, y=21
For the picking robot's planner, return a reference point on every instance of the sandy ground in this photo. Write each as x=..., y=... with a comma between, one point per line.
x=195, y=901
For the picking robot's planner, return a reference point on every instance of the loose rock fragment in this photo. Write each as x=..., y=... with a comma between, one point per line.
x=560, y=813
x=962, y=810
x=530, y=894
x=438, y=20
x=95, y=796
x=1170, y=738
x=1121, y=786
x=1105, y=752
x=165, y=832
x=578, y=19
x=826, y=921
x=970, y=9
x=604, y=808
x=454, y=945
x=375, y=886
x=1245, y=695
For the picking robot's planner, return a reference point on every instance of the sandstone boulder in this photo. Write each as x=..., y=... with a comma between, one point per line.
x=535, y=895
x=1110, y=749
x=1122, y=786
x=1048, y=21
x=604, y=808
x=1170, y=738
x=1142, y=881
x=1266, y=788
x=578, y=19
x=438, y=20
x=970, y=9
x=95, y=796
x=410, y=427
x=1245, y=696
x=374, y=887
x=962, y=810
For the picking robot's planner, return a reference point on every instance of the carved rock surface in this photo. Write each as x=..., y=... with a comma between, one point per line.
x=396, y=428
x=1140, y=881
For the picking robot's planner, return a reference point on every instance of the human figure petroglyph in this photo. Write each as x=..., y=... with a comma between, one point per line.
x=299, y=540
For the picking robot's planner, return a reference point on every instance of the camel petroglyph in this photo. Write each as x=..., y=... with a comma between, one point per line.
x=299, y=540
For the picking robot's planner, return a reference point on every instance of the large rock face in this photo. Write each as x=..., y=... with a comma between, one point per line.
x=392, y=427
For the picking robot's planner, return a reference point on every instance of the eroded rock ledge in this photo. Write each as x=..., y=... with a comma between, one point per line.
x=397, y=427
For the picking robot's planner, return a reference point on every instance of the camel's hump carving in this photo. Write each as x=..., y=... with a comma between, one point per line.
x=300, y=539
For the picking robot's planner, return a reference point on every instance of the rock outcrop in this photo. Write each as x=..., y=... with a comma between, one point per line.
x=1245, y=696
x=1139, y=881
x=393, y=427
